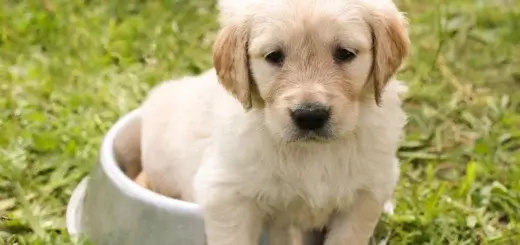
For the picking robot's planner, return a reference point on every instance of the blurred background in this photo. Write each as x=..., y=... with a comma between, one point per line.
x=70, y=68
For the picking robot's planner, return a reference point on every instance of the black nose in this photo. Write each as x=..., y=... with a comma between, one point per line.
x=310, y=116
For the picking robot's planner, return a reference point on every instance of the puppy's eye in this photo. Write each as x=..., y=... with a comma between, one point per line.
x=275, y=57
x=343, y=55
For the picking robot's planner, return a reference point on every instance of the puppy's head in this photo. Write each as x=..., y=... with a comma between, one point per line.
x=309, y=64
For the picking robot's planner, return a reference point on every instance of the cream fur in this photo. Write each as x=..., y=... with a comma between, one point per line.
x=200, y=144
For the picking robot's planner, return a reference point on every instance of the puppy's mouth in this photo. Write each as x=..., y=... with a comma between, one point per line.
x=320, y=135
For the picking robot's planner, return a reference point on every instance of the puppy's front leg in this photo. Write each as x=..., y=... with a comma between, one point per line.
x=232, y=221
x=284, y=235
x=356, y=226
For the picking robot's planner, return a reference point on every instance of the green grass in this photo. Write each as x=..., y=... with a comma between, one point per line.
x=70, y=68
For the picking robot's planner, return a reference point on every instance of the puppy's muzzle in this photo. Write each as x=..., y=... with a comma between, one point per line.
x=310, y=117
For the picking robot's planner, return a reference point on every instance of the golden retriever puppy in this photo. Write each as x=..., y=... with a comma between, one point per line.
x=296, y=126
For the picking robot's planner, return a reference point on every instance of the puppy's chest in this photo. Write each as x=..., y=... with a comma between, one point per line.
x=309, y=194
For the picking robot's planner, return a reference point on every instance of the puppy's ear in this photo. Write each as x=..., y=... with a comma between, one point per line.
x=391, y=45
x=231, y=63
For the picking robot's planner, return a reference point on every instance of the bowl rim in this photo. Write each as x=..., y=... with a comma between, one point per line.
x=127, y=187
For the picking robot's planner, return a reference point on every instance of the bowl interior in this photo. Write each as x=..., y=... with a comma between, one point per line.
x=126, y=146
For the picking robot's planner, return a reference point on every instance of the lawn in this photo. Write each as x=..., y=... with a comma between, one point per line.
x=70, y=68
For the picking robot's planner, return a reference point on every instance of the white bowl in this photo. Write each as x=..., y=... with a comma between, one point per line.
x=107, y=207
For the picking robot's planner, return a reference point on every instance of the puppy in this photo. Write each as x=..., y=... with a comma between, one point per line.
x=296, y=126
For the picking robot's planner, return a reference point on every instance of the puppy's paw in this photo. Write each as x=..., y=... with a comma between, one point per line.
x=141, y=180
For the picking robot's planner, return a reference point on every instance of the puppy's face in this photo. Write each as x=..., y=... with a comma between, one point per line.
x=309, y=64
